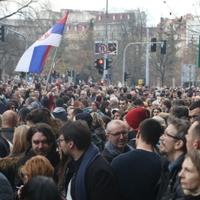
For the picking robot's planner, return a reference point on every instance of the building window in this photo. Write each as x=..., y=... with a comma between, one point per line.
x=99, y=18
x=121, y=16
x=128, y=17
x=113, y=17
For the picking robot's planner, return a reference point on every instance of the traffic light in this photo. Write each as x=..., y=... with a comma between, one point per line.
x=126, y=76
x=163, y=47
x=69, y=73
x=153, y=44
x=108, y=63
x=2, y=33
x=99, y=64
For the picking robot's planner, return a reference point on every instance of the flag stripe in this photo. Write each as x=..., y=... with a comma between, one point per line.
x=35, y=56
x=58, y=28
x=38, y=60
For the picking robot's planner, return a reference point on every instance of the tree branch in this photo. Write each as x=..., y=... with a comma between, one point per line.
x=17, y=11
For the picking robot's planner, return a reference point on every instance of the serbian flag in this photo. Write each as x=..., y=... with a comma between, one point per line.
x=34, y=57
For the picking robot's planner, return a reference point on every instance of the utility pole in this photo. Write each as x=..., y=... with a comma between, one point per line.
x=147, y=60
x=106, y=43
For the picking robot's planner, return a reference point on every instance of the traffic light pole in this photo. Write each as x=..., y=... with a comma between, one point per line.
x=147, y=59
x=106, y=43
x=16, y=32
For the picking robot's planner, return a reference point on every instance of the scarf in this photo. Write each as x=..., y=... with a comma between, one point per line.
x=114, y=151
x=90, y=155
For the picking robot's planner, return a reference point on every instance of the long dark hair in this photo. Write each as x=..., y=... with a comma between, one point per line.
x=40, y=188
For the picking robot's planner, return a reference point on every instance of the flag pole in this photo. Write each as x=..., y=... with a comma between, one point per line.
x=52, y=67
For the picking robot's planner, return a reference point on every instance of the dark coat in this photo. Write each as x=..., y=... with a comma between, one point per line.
x=7, y=133
x=170, y=188
x=101, y=183
x=192, y=197
x=6, y=192
x=4, y=147
x=53, y=157
x=99, y=179
x=137, y=172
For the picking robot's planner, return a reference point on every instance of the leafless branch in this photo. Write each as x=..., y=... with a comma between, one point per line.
x=18, y=10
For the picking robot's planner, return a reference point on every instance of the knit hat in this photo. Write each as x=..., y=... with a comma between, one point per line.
x=86, y=117
x=135, y=116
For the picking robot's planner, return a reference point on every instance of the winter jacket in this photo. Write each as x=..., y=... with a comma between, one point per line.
x=170, y=188
x=6, y=192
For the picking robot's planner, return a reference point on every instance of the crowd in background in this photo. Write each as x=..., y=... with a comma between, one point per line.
x=95, y=141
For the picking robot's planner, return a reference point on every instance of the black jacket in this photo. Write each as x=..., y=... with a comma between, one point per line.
x=137, y=172
x=99, y=179
x=6, y=192
x=4, y=147
x=170, y=188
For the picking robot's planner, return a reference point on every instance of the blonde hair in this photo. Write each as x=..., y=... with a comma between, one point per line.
x=20, y=142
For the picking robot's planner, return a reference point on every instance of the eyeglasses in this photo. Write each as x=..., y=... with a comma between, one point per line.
x=124, y=133
x=172, y=136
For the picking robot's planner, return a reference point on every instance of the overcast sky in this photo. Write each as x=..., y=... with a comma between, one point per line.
x=154, y=8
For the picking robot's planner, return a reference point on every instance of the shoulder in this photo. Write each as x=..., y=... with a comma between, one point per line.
x=26, y=156
x=99, y=169
x=99, y=164
x=136, y=157
x=107, y=155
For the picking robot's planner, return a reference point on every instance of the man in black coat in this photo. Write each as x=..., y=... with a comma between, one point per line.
x=138, y=171
x=89, y=176
x=173, y=146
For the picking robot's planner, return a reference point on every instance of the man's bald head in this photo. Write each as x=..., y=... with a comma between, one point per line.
x=9, y=119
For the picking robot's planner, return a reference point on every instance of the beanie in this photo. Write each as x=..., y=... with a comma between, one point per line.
x=135, y=116
x=86, y=117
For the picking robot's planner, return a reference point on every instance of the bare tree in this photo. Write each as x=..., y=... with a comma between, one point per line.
x=20, y=7
x=132, y=30
x=21, y=33
x=166, y=66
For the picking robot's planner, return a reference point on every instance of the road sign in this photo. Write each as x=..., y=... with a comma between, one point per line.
x=100, y=48
x=111, y=48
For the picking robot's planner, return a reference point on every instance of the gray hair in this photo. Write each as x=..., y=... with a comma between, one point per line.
x=115, y=122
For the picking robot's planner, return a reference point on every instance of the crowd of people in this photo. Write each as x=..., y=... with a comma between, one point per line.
x=98, y=142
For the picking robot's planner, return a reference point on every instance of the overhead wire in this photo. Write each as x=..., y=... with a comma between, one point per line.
x=181, y=18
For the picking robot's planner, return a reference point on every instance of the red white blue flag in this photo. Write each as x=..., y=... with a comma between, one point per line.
x=34, y=57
